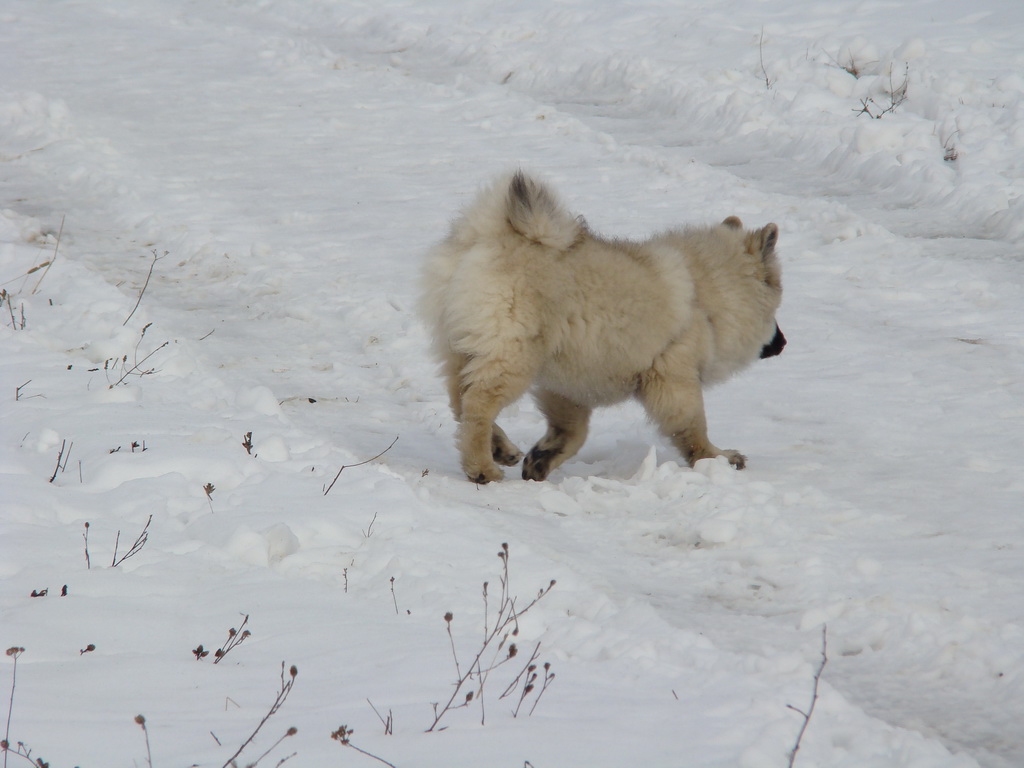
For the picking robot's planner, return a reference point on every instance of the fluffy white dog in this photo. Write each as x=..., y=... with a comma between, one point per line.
x=521, y=293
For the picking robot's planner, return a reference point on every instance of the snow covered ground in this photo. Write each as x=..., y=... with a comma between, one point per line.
x=282, y=166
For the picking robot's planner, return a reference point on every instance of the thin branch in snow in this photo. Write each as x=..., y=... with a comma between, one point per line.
x=62, y=459
x=760, y=53
x=235, y=638
x=149, y=754
x=282, y=695
x=493, y=652
x=144, y=286
x=344, y=737
x=88, y=561
x=50, y=262
x=327, y=489
x=135, y=548
x=814, y=698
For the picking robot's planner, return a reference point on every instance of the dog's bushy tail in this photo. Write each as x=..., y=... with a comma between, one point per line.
x=535, y=213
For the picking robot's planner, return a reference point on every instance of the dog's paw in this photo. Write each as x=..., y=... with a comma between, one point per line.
x=505, y=453
x=484, y=475
x=736, y=458
x=537, y=464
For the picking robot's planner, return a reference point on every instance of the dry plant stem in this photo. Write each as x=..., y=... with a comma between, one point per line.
x=149, y=754
x=144, y=286
x=140, y=542
x=14, y=653
x=549, y=676
x=50, y=264
x=361, y=463
x=290, y=732
x=506, y=624
x=344, y=737
x=814, y=698
x=61, y=457
x=23, y=750
x=6, y=296
x=760, y=53
x=137, y=367
x=529, y=667
x=388, y=722
x=897, y=95
x=235, y=638
x=282, y=695
x=369, y=531
x=88, y=562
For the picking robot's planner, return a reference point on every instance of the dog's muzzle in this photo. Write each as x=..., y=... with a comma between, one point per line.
x=775, y=346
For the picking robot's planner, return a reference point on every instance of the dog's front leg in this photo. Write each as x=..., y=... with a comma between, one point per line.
x=677, y=407
x=480, y=438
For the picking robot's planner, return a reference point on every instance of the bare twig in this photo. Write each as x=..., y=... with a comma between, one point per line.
x=897, y=95
x=149, y=754
x=61, y=456
x=14, y=653
x=344, y=737
x=369, y=529
x=814, y=698
x=388, y=722
x=951, y=154
x=327, y=489
x=140, y=542
x=144, y=286
x=50, y=263
x=137, y=366
x=290, y=732
x=506, y=625
x=235, y=638
x=6, y=297
x=282, y=695
x=760, y=52
x=88, y=562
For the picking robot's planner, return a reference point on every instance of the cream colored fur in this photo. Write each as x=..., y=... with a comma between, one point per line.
x=521, y=294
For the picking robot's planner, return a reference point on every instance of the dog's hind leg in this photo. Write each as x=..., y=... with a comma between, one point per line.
x=567, y=430
x=677, y=407
x=488, y=386
x=503, y=450
x=452, y=367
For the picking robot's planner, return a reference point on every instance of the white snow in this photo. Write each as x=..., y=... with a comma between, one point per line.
x=283, y=166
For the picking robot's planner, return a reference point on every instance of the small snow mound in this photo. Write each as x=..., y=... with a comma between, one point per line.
x=648, y=467
x=914, y=48
x=718, y=470
x=258, y=399
x=47, y=440
x=717, y=531
x=273, y=449
x=281, y=543
x=264, y=549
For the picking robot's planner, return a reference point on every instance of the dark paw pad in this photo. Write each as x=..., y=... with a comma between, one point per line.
x=537, y=464
x=508, y=457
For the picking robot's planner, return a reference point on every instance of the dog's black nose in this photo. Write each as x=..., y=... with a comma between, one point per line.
x=775, y=346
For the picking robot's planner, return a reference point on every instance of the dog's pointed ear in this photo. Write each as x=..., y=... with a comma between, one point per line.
x=769, y=238
x=763, y=241
x=733, y=222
